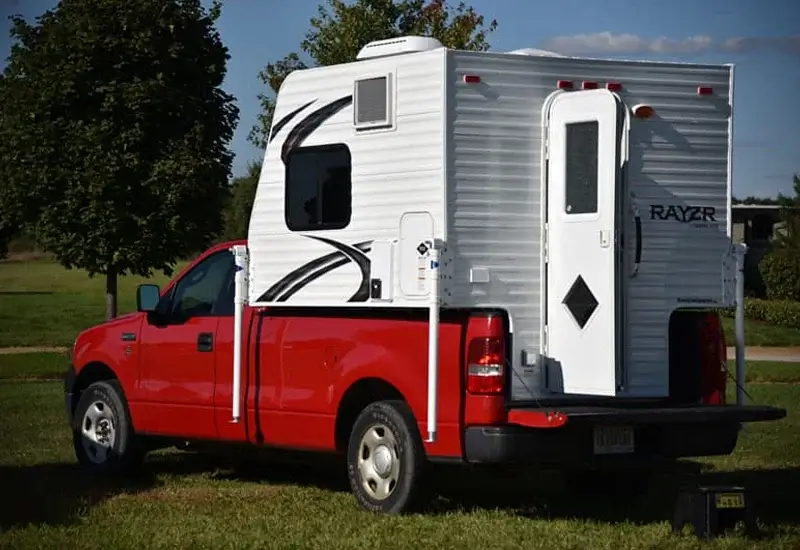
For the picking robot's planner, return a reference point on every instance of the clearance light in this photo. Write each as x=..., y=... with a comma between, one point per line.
x=705, y=90
x=472, y=79
x=564, y=84
x=589, y=85
x=614, y=87
x=643, y=111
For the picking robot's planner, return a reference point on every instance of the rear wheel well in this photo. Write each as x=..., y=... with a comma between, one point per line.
x=355, y=400
x=89, y=374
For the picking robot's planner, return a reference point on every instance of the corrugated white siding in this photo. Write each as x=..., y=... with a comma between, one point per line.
x=679, y=158
x=392, y=172
x=494, y=193
x=494, y=209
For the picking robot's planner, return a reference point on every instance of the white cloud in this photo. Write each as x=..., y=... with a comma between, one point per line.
x=626, y=43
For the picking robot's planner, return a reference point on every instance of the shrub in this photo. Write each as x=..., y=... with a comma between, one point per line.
x=782, y=313
x=780, y=271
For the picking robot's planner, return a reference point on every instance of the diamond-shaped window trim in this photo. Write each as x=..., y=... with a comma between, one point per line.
x=580, y=302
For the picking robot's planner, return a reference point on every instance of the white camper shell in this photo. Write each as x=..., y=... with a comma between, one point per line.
x=588, y=198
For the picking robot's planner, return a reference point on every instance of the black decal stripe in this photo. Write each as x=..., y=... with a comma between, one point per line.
x=313, y=121
x=311, y=277
x=360, y=259
x=278, y=126
x=272, y=292
x=324, y=270
x=307, y=273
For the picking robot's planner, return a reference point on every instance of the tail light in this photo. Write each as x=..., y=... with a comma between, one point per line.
x=486, y=366
x=713, y=361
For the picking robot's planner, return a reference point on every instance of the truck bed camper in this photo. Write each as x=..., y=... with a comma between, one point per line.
x=472, y=257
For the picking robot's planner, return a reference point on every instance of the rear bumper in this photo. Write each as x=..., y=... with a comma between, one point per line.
x=659, y=434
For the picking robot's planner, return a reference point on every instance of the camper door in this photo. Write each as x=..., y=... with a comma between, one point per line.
x=584, y=302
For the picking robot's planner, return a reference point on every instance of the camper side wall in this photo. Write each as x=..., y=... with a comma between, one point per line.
x=494, y=215
x=329, y=258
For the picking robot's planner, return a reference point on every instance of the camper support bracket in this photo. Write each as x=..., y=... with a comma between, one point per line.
x=434, y=247
x=241, y=261
x=740, y=250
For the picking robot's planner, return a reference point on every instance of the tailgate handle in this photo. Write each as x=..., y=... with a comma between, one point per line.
x=205, y=341
x=637, y=221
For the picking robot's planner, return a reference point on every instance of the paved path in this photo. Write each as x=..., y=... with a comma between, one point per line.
x=33, y=349
x=755, y=353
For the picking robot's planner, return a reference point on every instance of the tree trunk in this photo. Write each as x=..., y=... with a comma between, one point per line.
x=111, y=293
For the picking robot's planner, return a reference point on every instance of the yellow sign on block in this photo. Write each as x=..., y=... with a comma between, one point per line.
x=730, y=500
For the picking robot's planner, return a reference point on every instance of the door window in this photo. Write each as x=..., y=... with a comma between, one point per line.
x=581, y=167
x=199, y=293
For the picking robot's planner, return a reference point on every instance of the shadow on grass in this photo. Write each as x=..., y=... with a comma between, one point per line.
x=547, y=496
x=25, y=292
x=57, y=494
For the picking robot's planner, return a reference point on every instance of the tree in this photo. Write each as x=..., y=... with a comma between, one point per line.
x=237, y=212
x=788, y=239
x=114, y=133
x=341, y=29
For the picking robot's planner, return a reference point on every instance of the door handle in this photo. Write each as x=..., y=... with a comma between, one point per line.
x=205, y=341
x=637, y=222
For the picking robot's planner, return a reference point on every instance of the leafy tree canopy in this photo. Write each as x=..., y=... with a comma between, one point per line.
x=114, y=133
x=788, y=239
x=237, y=213
x=341, y=29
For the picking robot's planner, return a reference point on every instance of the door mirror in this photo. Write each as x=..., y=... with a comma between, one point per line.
x=147, y=297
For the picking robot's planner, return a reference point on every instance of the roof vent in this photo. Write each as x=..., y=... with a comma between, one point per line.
x=536, y=51
x=397, y=46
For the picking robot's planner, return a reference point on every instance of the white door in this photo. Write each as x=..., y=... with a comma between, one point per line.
x=584, y=298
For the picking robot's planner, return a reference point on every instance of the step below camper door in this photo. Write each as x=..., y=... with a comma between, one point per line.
x=584, y=304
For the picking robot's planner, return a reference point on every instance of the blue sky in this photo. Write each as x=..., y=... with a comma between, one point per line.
x=761, y=38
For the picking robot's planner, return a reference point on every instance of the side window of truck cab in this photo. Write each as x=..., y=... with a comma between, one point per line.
x=203, y=291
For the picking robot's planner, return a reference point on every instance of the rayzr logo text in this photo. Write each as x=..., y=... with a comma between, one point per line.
x=683, y=214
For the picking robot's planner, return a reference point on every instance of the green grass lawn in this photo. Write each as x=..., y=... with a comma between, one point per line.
x=42, y=304
x=184, y=500
x=761, y=334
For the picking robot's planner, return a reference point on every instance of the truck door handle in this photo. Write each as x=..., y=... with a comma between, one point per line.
x=205, y=341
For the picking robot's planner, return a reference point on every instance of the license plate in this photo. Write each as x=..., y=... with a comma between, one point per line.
x=730, y=500
x=613, y=440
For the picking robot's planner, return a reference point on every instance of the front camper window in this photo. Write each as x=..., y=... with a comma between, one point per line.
x=581, y=168
x=318, y=188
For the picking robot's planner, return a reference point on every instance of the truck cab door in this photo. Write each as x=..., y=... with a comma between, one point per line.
x=178, y=352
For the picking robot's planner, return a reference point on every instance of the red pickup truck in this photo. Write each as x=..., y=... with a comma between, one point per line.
x=348, y=382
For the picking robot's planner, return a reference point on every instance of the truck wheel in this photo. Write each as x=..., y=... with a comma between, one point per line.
x=102, y=434
x=386, y=459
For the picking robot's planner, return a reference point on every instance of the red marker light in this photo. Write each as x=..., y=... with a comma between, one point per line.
x=705, y=90
x=564, y=84
x=589, y=85
x=614, y=87
x=472, y=79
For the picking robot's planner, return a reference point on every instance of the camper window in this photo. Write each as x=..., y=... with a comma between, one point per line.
x=372, y=103
x=581, y=168
x=318, y=188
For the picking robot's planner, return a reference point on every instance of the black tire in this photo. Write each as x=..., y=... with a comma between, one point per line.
x=110, y=418
x=394, y=421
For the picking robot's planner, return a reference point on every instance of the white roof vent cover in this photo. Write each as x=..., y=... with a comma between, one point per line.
x=397, y=46
x=536, y=51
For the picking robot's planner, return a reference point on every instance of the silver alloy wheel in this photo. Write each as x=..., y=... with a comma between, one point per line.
x=98, y=431
x=378, y=462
